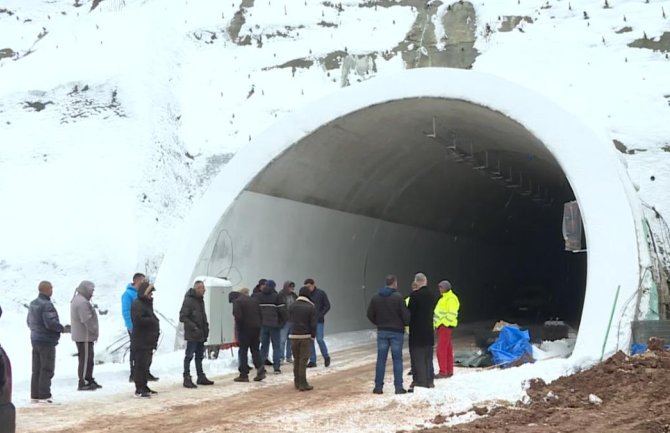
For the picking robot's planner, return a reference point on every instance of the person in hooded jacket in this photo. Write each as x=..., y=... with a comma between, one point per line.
x=303, y=318
x=84, y=322
x=273, y=317
x=144, y=338
x=196, y=331
x=388, y=312
x=129, y=295
x=287, y=297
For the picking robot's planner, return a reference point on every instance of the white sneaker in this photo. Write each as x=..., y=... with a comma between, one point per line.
x=45, y=401
x=34, y=400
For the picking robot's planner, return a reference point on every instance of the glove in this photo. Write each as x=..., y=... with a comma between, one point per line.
x=66, y=329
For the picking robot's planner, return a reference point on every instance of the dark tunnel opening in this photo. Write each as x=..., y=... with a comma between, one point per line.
x=441, y=186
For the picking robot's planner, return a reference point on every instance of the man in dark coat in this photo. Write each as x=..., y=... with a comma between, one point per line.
x=7, y=409
x=421, y=335
x=302, y=316
x=247, y=315
x=273, y=317
x=322, y=305
x=144, y=338
x=196, y=331
x=388, y=312
x=45, y=331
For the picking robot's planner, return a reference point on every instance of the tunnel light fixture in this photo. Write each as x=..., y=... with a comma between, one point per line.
x=497, y=173
x=458, y=155
x=486, y=162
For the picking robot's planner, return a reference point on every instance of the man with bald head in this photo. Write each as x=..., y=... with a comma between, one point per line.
x=45, y=331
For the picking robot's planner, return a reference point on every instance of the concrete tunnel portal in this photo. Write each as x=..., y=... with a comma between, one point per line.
x=414, y=180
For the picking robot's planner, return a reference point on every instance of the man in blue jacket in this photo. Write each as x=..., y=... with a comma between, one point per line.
x=322, y=305
x=45, y=331
x=127, y=299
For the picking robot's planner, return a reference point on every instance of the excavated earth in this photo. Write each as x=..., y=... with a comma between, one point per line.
x=635, y=395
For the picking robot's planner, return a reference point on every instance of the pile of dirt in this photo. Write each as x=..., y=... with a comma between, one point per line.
x=622, y=395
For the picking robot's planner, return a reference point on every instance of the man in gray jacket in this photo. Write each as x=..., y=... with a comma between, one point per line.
x=84, y=322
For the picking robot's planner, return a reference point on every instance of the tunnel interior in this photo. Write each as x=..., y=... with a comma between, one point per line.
x=441, y=186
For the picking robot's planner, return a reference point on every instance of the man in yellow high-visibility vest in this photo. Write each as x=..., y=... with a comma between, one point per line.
x=445, y=319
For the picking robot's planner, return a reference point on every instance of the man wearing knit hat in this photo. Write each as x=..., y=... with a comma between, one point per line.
x=84, y=322
x=444, y=320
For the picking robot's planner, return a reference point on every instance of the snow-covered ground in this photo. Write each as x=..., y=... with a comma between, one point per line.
x=114, y=120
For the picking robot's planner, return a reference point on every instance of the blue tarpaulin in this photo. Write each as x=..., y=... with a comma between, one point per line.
x=512, y=344
x=641, y=348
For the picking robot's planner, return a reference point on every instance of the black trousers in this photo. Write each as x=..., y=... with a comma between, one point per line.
x=301, y=348
x=7, y=418
x=249, y=339
x=85, y=355
x=197, y=349
x=422, y=365
x=143, y=358
x=44, y=364
x=131, y=355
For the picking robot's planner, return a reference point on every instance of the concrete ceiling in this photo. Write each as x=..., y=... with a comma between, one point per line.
x=424, y=162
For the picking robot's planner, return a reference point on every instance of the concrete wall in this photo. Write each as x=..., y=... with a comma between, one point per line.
x=266, y=237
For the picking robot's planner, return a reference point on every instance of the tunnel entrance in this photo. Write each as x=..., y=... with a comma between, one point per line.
x=445, y=187
x=460, y=175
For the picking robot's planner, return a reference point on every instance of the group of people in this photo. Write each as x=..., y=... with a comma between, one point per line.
x=290, y=322
x=46, y=329
x=426, y=311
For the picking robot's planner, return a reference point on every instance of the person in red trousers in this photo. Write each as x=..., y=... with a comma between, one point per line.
x=445, y=319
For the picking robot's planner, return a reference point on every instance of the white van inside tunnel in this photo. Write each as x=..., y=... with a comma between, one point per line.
x=457, y=174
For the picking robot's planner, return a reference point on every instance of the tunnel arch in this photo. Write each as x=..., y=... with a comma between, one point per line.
x=450, y=113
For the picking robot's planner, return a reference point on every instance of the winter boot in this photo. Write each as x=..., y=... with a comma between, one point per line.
x=202, y=380
x=188, y=383
x=260, y=375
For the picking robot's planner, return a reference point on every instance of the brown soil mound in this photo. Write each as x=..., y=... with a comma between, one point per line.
x=622, y=395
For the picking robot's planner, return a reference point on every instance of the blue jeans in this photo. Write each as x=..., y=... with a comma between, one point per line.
x=270, y=334
x=284, y=344
x=322, y=344
x=386, y=340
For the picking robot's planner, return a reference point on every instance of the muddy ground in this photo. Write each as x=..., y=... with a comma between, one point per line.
x=634, y=393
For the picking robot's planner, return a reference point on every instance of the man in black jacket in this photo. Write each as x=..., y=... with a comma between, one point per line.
x=144, y=338
x=273, y=317
x=302, y=316
x=7, y=409
x=45, y=331
x=388, y=312
x=196, y=331
x=322, y=305
x=421, y=334
x=247, y=315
